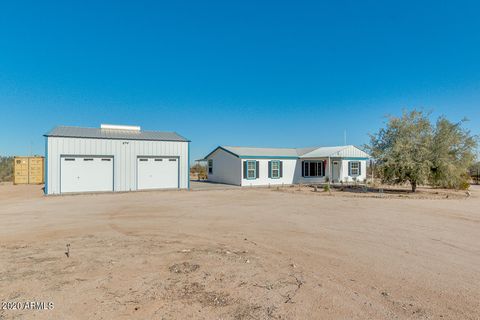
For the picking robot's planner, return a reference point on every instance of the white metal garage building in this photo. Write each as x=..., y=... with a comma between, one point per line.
x=114, y=158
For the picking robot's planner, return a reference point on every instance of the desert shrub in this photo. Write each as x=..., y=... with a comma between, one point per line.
x=465, y=185
x=6, y=169
x=199, y=170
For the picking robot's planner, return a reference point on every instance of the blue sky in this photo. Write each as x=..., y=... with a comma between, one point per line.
x=261, y=73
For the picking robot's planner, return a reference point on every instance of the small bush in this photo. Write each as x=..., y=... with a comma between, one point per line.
x=326, y=188
x=464, y=185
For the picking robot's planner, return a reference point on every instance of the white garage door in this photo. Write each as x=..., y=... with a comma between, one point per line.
x=157, y=173
x=86, y=174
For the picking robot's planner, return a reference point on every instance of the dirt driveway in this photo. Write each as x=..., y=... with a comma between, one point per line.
x=207, y=185
x=238, y=254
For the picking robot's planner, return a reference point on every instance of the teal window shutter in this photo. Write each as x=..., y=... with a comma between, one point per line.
x=269, y=169
x=257, y=163
x=244, y=169
x=281, y=169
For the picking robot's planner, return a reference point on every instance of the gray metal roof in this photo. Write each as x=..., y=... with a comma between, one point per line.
x=312, y=152
x=98, y=133
x=341, y=152
x=262, y=152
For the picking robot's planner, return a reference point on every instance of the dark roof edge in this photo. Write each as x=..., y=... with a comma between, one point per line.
x=222, y=148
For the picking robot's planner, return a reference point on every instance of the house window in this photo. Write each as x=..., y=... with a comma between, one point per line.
x=210, y=166
x=275, y=167
x=251, y=170
x=313, y=168
x=354, y=168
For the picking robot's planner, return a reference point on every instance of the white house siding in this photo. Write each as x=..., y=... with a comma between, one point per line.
x=344, y=171
x=292, y=172
x=289, y=169
x=226, y=168
x=124, y=152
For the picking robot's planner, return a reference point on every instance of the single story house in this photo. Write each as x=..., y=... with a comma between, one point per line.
x=249, y=166
x=114, y=158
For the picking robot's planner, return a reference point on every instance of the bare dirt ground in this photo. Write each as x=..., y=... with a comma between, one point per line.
x=239, y=254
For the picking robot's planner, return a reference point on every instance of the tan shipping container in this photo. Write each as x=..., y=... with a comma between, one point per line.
x=28, y=170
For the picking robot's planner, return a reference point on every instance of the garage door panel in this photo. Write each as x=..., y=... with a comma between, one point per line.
x=157, y=173
x=86, y=174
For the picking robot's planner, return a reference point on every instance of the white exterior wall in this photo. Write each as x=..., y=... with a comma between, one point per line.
x=344, y=171
x=124, y=152
x=292, y=172
x=289, y=169
x=226, y=168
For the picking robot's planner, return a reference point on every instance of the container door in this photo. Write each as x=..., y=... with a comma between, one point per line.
x=86, y=174
x=35, y=170
x=157, y=173
x=20, y=171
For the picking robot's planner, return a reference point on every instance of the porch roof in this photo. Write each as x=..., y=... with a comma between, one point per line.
x=336, y=152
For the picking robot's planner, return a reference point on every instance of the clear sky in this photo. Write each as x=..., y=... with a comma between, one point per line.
x=253, y=73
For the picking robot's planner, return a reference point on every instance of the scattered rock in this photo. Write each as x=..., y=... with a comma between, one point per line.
x=67, y=252
x=184, y=267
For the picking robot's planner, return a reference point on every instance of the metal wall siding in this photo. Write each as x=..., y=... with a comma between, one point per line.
x=45, y=190
x=125, y=158
x=226, y=168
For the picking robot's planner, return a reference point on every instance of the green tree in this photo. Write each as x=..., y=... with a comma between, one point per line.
x=402, y=149
x=453, y=153
x=410, y=149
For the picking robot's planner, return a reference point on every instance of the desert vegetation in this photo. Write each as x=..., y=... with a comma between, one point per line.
x=198, y=172
x=475, y=172
x=6, y=169
x=413, y=149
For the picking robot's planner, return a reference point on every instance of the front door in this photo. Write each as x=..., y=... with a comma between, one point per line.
x=335, y=171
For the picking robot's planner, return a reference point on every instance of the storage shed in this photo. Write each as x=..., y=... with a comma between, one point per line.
x=114, y=158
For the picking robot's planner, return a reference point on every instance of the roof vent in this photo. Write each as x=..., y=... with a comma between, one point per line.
x=119, y=127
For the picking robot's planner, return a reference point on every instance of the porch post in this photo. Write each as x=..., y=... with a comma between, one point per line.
x=329, y=170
